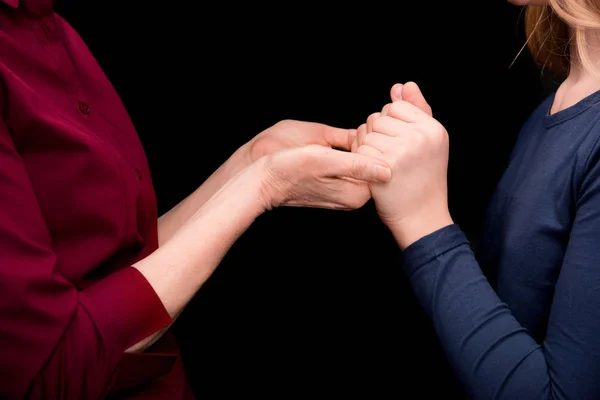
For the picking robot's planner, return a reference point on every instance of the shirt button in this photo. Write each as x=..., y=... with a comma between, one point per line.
x=84, y=107
x=49, y=32
x=139, y=174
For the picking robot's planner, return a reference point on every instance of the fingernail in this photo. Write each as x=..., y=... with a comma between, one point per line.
x=382, y=174
x=398, y=92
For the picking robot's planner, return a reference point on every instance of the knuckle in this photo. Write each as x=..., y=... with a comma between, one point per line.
x=373, y=117
x=328, y=135
x=385, y=109
x=420, y=141
x=283, y=124
x=436, y=131
x=369, y=139
x=363, y=149
x=356, y=167
x=427, y=108
x=396, y=108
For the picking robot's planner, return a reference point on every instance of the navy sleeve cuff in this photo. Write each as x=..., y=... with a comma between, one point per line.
x=430, y=247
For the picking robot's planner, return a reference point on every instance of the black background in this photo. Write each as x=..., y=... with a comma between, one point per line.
x=311, y=301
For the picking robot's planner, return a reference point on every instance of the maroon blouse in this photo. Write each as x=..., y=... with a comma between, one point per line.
x=77, y=208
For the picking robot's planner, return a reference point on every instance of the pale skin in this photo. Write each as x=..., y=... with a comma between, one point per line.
x=414, y=203
x=411, y=201
x=283, y=135
x=293, y=163
x=341, y=192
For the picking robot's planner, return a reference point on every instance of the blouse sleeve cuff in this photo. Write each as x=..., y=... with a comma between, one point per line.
x=429, y=247
x=125, y=308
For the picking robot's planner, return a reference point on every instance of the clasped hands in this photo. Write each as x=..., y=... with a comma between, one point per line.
x=398, y=157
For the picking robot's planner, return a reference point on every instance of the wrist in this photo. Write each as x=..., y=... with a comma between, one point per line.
x=412, y=228
x=241, y=197
x=271, y=188
x=242, y=157
x=247, y=180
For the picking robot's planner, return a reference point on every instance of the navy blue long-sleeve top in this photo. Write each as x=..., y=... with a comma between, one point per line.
x=521, y=318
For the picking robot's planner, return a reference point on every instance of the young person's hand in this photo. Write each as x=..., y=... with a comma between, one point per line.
x=409, y=92
x=414, y=202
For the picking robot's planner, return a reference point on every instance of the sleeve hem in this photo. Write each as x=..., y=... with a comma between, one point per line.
x=430, y=247
x=125, y=308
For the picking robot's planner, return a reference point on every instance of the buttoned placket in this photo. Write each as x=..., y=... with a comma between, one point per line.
x=50, y=37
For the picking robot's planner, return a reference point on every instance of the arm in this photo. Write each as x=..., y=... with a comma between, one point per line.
x=57, y=341
x=286, y=134
x=174, y=270
x=175, y=218
x=491, y=352
x=172, y=220
x=200, y=215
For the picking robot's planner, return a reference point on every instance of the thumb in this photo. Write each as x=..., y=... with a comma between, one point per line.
x=357, y=166
x=411, y=93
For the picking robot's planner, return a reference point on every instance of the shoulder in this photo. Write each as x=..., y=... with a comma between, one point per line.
x=531, y=126
x=587, y=167
x=539, y=113
x=589, y=147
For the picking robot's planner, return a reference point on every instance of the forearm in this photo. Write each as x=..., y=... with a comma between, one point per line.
x=492, y=354
x=170, y=222
x=85, y=332
x=179, y=268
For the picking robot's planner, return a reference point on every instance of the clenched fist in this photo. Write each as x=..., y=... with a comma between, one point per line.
x=414, y=202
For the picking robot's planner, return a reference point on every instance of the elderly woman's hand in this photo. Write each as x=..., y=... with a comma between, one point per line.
x=288, y=134
x=319, y=176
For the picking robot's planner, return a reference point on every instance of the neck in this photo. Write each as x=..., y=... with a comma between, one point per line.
x=581, y=81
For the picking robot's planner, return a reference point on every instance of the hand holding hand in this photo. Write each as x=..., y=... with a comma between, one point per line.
x=321, y=177
x=409, y=92
x=289, y=134
x=414, y=202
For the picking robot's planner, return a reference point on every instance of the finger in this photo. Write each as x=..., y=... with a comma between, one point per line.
x=354, y=145
x=407, y=112
x=338, y=138
x=370, y=121
x=379, y=142
x=396, y=92
x=357, y=166
x=412, y=94
x=367, y=150
x=361, y=132
x=353, y=140
x=385, y=109
x=389, y=126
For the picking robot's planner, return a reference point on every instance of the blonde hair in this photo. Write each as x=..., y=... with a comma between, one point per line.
x=557, y=33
